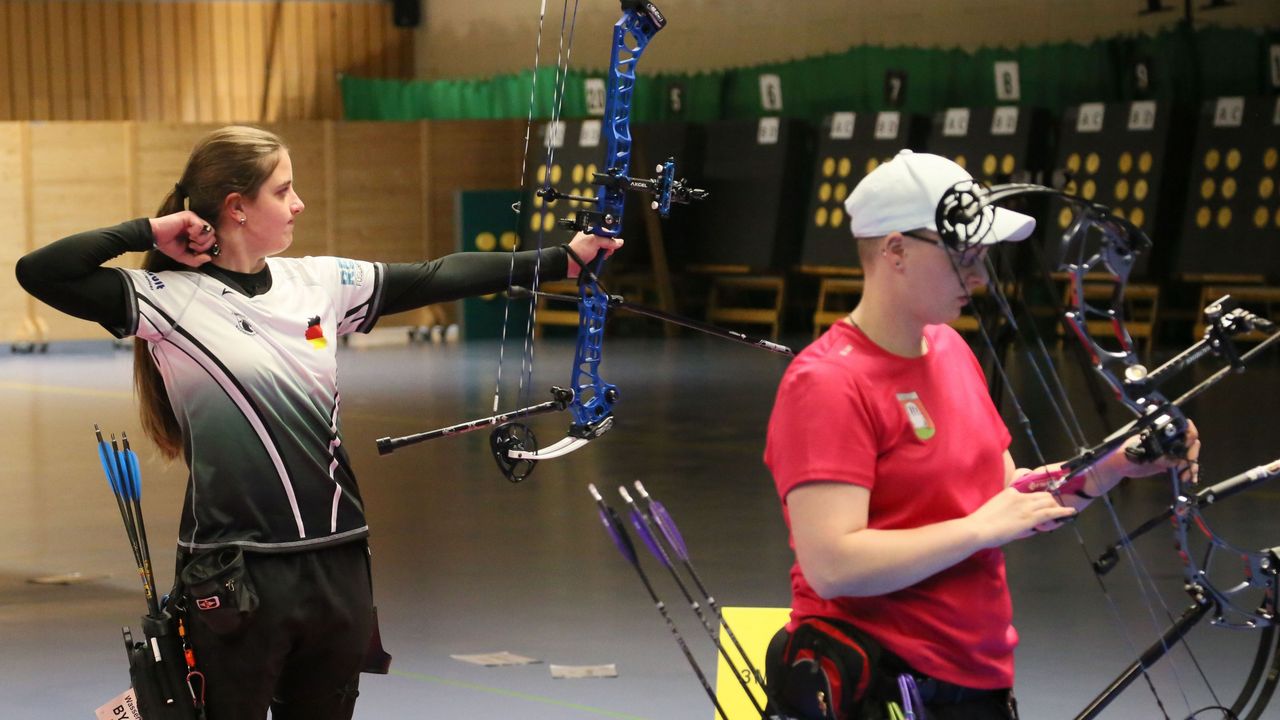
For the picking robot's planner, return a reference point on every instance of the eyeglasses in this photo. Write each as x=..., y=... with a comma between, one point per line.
x=966, y=259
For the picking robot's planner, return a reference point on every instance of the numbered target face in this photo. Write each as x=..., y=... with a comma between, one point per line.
x=756, y=172
x=654, y=143
x=566, y=158
x=996, y=145
x=849, y=146
x=1232, y=217
x=1113, y=154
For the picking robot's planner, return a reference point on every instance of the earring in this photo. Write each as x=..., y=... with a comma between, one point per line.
x=242, y=219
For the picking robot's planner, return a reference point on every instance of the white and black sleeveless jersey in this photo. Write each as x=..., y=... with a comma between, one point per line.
x=253, y=384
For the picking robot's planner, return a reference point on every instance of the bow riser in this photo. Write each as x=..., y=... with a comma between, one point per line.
x=631, y=35
x=593, y=404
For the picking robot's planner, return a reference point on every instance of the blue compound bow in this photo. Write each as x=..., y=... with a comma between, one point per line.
x=589, y=397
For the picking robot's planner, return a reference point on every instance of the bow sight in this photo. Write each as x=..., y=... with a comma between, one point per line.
x=664, y=188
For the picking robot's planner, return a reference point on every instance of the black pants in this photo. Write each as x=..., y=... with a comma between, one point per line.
x=991, y=708
x=301, y=652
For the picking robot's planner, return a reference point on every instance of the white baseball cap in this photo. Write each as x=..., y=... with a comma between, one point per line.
x=903, y=194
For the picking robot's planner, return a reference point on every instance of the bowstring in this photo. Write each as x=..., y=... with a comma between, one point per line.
x=563, y=55
x=562, y=65
x=1051, y=383
x=1069, y=427
x=1146, y=583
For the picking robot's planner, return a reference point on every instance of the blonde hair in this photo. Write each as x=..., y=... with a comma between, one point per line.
x=233, y=159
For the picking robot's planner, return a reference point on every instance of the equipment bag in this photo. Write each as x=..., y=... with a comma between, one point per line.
x=218, y=589
x=825, y=670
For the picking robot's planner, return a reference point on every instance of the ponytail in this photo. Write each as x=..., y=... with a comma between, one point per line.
x=233, y=159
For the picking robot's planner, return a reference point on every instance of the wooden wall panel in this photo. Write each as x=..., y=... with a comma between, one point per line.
x=114, y=84
x=37, y=60
x=131, y=50
x=160, y=154
x=290, y=62
x=309, y=152
x=95, y=59
x=18, y=65
x=376, y=191
x=59, y=79
x=79, y=180
x=239, y=70
x=306, y=48
x=466, y=155
x=15, y=305
x=206, y=89
x=76, y=59
x=152, y=68
x=223, y=71
x=272, y=76
x=191, y=60
x=327, y=105
x=172, y=41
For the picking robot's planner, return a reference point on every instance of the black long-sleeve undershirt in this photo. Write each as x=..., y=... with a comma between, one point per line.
x=69, y=274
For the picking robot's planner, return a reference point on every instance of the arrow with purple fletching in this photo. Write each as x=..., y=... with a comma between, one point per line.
x=618, y=532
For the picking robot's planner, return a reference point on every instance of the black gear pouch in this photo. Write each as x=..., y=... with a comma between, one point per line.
x=219, y=591
x=158, y=672
x=825, y=670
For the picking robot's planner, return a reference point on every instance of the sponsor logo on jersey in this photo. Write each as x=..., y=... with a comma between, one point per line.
x=350, y=273
x=242, y=324
x=917, y=415
x=154, y=280
x=315, y=334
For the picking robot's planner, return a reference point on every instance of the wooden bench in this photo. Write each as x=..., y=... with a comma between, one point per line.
x=747, y=300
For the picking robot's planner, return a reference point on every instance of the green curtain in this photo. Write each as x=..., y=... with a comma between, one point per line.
x=1181, y=65
x=506, y=96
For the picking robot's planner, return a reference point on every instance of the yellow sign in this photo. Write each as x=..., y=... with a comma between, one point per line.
x=754, y=628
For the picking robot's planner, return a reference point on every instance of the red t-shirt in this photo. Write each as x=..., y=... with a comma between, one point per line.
x=923, y=435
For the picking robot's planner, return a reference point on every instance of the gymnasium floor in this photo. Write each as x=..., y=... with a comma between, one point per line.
x=468, y=563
